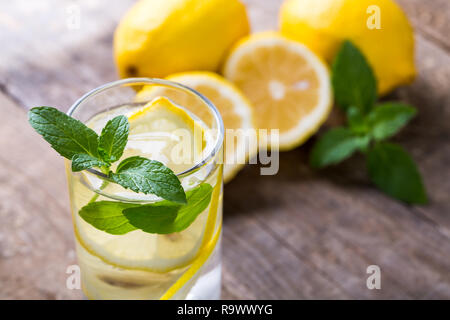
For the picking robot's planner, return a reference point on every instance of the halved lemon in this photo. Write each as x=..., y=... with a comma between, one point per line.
x=137, y=249
x=234, y=107
x=287, y=84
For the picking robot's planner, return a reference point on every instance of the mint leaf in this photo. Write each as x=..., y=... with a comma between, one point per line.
x=149, y=176
x=336, y=145
x=107, y=216
x=198, y=200
x=393, y=171
x=353, y=80
x=153, y=219
x=84, y=161
x=357, y=121
x=66, y=135
x=113, y=139
x=75, y=141
x=161, y=217
x=388, y=118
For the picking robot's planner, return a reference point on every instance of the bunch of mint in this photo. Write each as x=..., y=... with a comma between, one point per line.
x=75, y=141
x=369, y=125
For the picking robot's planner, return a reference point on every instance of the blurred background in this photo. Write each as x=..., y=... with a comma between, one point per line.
x=300, y=234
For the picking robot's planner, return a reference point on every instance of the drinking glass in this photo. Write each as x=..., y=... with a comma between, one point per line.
x=140, y=265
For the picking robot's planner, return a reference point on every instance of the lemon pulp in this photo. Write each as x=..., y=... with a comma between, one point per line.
x=287, y=84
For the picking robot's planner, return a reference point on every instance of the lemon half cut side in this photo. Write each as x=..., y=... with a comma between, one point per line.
x=287, y=84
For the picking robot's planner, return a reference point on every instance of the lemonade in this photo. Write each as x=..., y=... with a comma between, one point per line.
x=140, y=264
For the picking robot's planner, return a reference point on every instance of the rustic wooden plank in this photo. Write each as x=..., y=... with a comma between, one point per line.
x=36, y=238
x=338, y=228
x=428, y=136
x=63, y=60
x=258, y=265
x=339, y=224
x=431, y=18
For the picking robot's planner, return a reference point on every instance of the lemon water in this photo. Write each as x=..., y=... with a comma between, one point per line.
x=140, y=265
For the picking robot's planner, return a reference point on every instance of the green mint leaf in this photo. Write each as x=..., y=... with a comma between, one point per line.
x=392, y=170
x=162, y=217
x=66, y=135
x=113, y=139
x=84, y=161
x=357, y=121
x=198, y=200
x=149, y=176
x=336, y=145
x=387, y=119
x=353, y=79
x=107, y=216
x=152, y=219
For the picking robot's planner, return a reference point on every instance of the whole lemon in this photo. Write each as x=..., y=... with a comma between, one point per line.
x=377, y=27
x=159, y=37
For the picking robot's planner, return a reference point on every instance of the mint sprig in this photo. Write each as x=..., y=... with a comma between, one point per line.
x=75, y=141
x=369, y=124
x=161, y=217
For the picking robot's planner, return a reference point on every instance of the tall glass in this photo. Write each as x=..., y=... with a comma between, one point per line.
x=140, y=265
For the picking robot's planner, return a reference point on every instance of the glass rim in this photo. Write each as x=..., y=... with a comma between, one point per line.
x=217, y=116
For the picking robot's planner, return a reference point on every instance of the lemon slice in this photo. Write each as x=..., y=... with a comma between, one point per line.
x=234, y=107
x=209, y=242
x=287, y=84
x=157, y=123
x=176, y=138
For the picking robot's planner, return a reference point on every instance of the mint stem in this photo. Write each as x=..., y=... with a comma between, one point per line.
x=96, y=195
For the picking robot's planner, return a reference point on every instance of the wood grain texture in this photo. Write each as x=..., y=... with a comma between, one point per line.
x=301, y=234
x=36, y=237
x=63, y=60
x=430, y=18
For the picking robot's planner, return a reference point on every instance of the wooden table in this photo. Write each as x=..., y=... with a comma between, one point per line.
x=299, y=234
